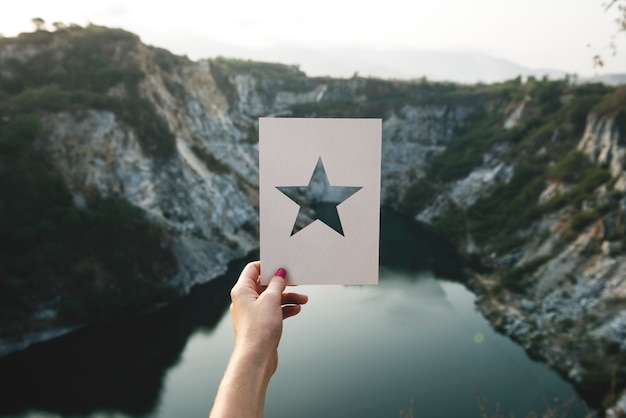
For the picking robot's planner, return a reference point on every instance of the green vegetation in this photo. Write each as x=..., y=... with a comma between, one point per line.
x=540, y=148
x=418, y=195
x=514, y=279
x=100, y=263
x=467, y=149
x=80, y=74
x=103, y=262
x=268, y=76
x=259, y=69
x=453, y=224
x=583, y=218
x=614, y=105
x=497, y=216
x=590, y=179
x=89, y=254
x=570, y=168
x=368, y=97
x=509, y=207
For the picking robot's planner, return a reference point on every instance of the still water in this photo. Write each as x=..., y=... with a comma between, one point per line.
x=357, y=351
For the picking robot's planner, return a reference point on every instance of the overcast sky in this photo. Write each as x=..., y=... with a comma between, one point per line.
x=534, y=33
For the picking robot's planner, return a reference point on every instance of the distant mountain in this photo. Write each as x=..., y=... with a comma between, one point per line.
x=406, y=64
x=608, y=79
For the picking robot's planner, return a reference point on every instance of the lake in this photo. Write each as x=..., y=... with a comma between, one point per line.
x=354, y=351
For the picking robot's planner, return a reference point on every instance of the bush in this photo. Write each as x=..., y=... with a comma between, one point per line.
x=590, y=179
x=259, y=69
x=612, y=103
x=583, y=218
x=453, y=224
x=79, y=75
x=466, y=151
x=570, y=168
x=509, y=207
x=51, y=249
x=515, y=279
x=20, y=131
x=418, y=195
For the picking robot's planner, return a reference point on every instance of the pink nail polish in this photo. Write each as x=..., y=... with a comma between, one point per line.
x=281, y=272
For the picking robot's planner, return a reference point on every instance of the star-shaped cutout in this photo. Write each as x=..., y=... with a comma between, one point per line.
x=319, y=190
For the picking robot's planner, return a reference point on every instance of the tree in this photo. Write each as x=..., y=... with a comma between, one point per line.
x=39, y=23
x=620, y=5
x=59, y=25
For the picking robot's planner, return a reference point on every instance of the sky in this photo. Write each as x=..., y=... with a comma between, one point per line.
x=558, y=34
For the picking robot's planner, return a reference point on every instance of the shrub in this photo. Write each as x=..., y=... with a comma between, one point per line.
x=612, y=103
x=453, y=223
x=570, y=168
x=509, y=207
x=51, y=249
x=583, y=218
x=418, y=195
x=590, y=179
x=79, y=76
x=515, y=279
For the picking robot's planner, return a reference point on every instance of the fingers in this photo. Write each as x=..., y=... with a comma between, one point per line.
x=248, y=279
x=248, y=286
x=290, y=303
x=291, y=310
x=289, y=298
x=250, y=273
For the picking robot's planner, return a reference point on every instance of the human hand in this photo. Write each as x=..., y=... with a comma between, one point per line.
x=258, y=312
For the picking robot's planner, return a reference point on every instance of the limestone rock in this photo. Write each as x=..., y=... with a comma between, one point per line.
x=603, y=144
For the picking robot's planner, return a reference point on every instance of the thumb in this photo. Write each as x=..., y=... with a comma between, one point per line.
x=278, y=283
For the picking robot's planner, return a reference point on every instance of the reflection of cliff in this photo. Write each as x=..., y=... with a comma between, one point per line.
x=121, y=366
x=117, y=366
x=407, y=244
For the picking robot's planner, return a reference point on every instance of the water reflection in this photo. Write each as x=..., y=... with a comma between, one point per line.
x=117, y=366
x=122, y=366
x=356, y=351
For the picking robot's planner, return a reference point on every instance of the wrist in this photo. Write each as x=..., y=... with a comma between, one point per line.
x=257, y=360
x=244, y=386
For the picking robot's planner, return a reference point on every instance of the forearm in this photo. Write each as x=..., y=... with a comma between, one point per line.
x=242, y=390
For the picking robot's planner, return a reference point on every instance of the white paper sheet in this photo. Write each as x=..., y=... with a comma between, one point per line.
x=291, y=151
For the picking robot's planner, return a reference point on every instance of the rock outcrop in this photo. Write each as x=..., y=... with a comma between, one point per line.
x=570, y=312
x=196, y=174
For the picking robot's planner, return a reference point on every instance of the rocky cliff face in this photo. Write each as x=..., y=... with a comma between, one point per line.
x=603, y=144
x=178, y=139
x=206, y=192
x=567, y=305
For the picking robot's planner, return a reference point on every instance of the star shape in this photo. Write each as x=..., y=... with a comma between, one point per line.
x=330, y=198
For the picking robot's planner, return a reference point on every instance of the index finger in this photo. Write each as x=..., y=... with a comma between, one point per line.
x=249, y=275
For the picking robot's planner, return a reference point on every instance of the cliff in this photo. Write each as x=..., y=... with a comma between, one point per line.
x=526, y=177
x=118, y=126
x=545, y=211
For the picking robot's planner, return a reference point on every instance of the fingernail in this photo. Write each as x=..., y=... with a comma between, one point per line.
x=281, y=272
